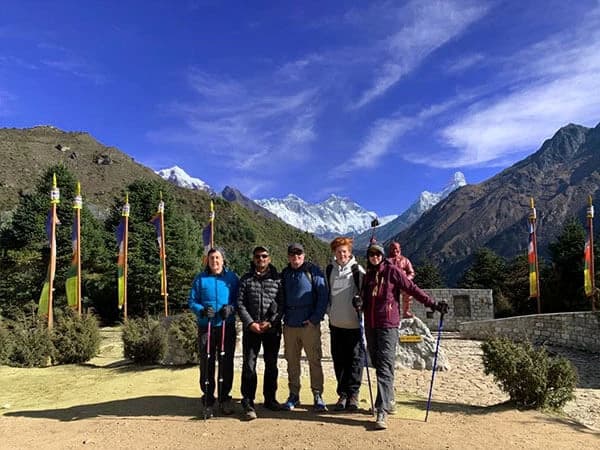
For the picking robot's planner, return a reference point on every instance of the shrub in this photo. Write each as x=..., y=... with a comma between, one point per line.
x=529, y=376
x=31, y=343
x=144, y=340
x=184, y=331
x=76, y=339
x=5, y=343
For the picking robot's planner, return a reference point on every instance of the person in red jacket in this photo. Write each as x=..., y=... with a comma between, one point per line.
x=397, y=258
x=380, y=303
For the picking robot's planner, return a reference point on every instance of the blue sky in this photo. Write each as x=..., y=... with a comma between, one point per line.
x=376, y=101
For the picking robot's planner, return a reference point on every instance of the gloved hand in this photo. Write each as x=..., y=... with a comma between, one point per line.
x=441, y=306
x=208, y=312
x=226, y=311
x=357, y=302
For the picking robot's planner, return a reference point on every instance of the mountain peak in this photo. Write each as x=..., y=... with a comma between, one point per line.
x=425, y=202
x=334, y=216
x=179, y=177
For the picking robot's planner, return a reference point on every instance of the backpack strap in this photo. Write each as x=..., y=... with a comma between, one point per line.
x=356, y=276
x=328, y=271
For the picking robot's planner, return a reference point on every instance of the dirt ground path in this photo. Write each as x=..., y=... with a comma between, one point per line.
x=111, y=405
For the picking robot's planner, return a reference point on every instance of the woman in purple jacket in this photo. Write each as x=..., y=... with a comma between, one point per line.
x=381, y=293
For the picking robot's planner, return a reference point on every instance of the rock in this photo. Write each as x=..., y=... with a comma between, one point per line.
x=418, y=355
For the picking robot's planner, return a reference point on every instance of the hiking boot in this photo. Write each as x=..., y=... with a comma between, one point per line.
x=392, y=409
x=249, y=411
x=273, y=405
x=380, y=422
x=319, y=403
x=226, y=407
x=341, y=403
x=292, y=401
x=207, y=412
x=352, y=403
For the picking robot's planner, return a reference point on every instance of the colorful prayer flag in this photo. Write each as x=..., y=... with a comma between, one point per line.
x=121, y=262
x=157, y=220
x=588, y=286
x=531, y=257
x=43, y=304
x=71, y=282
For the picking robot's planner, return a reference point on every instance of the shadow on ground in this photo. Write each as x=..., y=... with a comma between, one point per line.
x=459, y=408
x=190, y=408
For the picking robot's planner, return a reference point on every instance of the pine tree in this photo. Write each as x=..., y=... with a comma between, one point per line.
x=488, y=271
x=25, y=263
x=563, y=290
x=427, y=275
x=183, y=243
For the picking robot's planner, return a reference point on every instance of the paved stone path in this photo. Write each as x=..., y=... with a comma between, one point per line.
x=466, y=383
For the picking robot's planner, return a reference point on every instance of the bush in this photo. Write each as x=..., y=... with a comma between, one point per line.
x=76, y=339
x=529, y=376
x=184, y=330
x=5, y=343
x=144, y=340
x=31, y=343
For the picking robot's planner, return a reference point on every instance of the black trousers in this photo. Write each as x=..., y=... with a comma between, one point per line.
x=348, y=359
x=382, y=343
x=251, y=343
x=207, y=364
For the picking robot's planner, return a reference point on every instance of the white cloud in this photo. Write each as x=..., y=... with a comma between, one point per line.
x=257, y=123
x=385, y=132
x=382, y=134
x=556, y=82
x=78, y=68
x=432, y=24
x=464, y=63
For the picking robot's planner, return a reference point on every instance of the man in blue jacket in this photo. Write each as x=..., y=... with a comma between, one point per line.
x=213, y=298
x=305, y=302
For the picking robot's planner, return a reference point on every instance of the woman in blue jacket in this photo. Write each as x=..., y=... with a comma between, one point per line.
x=213, y=298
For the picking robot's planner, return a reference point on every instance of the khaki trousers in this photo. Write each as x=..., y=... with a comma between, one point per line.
x=308, y=338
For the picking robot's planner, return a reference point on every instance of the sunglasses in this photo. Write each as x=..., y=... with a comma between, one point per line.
x=370, y=254
x=295, y=252
x=261, y=256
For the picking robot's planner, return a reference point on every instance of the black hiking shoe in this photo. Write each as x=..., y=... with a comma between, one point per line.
x=226, y=407
x=341, y=403
x=273, y=405
x=352, y=403
x=249, y=411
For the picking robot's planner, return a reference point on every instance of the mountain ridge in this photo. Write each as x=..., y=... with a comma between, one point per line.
x=559, y=176
x=425, y=202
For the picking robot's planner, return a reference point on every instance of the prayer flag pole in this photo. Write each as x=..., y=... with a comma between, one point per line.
x=590, y=256
x=77, y=204
x=54, y=200
x=163, y=254
x=534, y=269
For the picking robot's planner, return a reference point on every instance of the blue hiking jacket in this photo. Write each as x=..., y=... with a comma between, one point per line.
x=216, y=291
x=305, y=296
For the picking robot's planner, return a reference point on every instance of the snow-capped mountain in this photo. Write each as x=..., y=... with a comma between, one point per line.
x=425, y=202
x=333, y=217
x=179, y=177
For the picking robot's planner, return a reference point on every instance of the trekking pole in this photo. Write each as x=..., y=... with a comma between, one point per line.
x=221, y=357
x=206, y=371
x=437, y=347
x=363, y=341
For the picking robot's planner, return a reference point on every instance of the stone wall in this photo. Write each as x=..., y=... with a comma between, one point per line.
x=578, y=330
x=464, y=305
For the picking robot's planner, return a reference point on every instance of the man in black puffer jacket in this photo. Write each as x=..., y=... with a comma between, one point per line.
x=259, y=308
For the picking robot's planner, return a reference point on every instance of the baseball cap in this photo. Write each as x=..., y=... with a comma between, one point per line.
x=376, y=248
x=261, y=248
x=295, y=247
